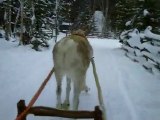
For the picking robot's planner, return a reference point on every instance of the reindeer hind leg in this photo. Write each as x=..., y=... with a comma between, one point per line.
x=78, y=86
x=59, y=89
x=66, y=103
x=84, y=85
x=76, y=97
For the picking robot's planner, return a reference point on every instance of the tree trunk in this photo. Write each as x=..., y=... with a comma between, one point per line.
x=105, y=7
x=56, y=20
x=7, y=19
x=6, y=26
x=22, y=27
x=16, y=20
x=33, y=19
x=107, y=22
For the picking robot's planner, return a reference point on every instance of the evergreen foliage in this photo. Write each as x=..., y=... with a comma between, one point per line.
x=76, y=12
x=65, y=11
x=133, y=11
x=123, y=12
x=39, y=23
x=138, y=41
x=143, y=48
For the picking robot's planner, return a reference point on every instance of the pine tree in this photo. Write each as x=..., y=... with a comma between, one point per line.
x=124, y=11
x=7, y=18
x=84, y=15
x=154, y=14
x=76, y=12
x=65, y=11
x=39, y=21
x=133, y=11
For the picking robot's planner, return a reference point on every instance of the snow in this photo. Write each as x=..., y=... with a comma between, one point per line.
x=143, y=47
x=128, y=23
x=145, y=12
x=129, y=91
x=135, y=38
x=99, y=20
x=149, y=34
x=1, y=1
x=33, y=18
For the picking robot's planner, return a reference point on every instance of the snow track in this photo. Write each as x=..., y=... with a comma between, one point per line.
x=124, y=83
x=130, y=93
x=118, y=95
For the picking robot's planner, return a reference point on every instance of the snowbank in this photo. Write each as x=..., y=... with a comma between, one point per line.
x=143, y=48
x=130, y=93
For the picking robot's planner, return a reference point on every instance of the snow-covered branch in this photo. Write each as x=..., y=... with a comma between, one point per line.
x=143, y=48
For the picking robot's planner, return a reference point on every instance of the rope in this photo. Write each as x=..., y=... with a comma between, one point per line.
x=100, y=97
x=35, y=97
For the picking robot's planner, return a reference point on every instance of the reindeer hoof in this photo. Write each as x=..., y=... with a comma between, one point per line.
x=59, y=106
x=87, y=89
x=65, y=105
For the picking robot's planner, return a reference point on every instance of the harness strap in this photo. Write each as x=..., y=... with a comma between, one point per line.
x=79, y=35
x=100, y=97
x=35, y=97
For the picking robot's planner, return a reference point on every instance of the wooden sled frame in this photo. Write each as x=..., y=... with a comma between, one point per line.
x=47, y=111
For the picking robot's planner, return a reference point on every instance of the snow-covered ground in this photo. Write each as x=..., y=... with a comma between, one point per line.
x=130, y=92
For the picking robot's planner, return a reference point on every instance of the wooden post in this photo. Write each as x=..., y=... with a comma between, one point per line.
x=98, y=113
x=21, y=107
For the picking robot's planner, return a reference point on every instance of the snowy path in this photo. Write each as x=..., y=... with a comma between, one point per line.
x=130, y=93
x=117, y=93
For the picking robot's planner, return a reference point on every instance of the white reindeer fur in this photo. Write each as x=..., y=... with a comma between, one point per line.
x=71, y=56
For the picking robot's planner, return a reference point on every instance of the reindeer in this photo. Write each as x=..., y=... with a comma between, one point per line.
x=71, y=56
